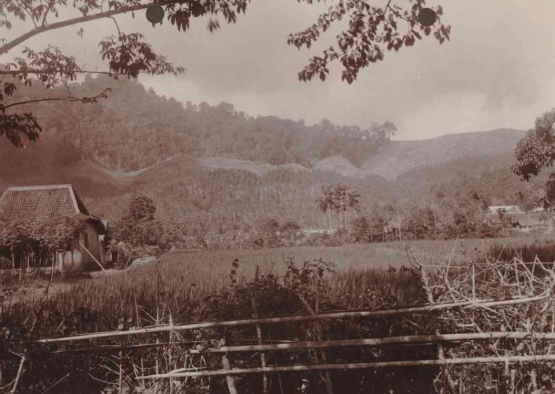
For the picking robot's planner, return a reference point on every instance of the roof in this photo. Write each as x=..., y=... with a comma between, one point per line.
x=17, y=202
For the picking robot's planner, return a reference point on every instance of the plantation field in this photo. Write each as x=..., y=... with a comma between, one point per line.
x=182, y=278
x=348, y=257
x=196, y=274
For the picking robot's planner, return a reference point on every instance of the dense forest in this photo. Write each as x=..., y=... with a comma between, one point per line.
x=134, y=128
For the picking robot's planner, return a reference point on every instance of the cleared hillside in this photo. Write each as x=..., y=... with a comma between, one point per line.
x=399, y=157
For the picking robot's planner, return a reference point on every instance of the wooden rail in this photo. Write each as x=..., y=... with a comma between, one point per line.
x=351, y=366
x=370, y=342
x=298, y=318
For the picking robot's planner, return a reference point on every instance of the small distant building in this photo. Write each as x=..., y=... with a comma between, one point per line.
x=535, y=220
x=87, y=248
x=494, y=210
x=538, y=210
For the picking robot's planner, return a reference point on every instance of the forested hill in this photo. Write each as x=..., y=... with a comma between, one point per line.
x=134, y=128
x=216, y=167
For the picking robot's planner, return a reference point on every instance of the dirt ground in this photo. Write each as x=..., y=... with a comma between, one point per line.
x=32, y=289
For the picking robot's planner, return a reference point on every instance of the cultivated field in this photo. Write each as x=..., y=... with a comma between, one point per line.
x=204, y=272
x=186, y=277
x=189, y=287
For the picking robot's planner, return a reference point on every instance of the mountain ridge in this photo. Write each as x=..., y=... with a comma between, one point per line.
x=398, y=157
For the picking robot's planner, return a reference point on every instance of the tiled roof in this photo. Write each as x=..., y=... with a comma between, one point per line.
x=47, y=200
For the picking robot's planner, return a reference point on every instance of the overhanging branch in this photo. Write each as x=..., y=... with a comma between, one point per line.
x=20, y=71
x=69, y=99
x=58, y=25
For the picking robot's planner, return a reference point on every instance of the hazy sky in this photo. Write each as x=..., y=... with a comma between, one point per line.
x=498, y=70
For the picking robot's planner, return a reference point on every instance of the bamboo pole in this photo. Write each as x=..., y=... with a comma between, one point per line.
x=401, y=340
x=109, y=348
x=297, y=318
x=254, y=305
x=229, y=379
x=351, y=366
x=18, y=376
x=387, y=341
x=283, y=319
x=90, y=254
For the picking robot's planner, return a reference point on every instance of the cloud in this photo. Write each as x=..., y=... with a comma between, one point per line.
x=495, y=72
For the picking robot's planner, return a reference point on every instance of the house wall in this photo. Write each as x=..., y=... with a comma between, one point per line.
x=95, y=247
x=78, y=257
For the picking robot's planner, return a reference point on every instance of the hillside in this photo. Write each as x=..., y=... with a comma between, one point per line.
x=399, y=157
x=216, y=169
x=223, y=163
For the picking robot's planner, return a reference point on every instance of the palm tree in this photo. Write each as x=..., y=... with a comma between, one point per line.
x=344, y=199
x=326, y=203
x=339, y=197
x=351, y=202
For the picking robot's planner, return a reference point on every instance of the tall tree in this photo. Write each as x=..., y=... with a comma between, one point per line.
x=536, y=151
x=327, y=203
x=371, y=32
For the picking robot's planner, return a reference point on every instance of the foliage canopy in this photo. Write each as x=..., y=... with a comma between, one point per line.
x=371, y=32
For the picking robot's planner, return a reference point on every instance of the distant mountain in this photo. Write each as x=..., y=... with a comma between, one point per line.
x=399, y=157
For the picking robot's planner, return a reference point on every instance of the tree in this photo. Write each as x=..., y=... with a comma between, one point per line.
x=38, y=238
x=290, y=230
x=327, y=203
x=504, y=218
x=362, y=231
x=345, y=200
x=139, y=229
x=268, y=232
x=141, y=208
x=420, y=223
x=383, y=132
x=372, y=31
x=536, y=151
x=549, y=198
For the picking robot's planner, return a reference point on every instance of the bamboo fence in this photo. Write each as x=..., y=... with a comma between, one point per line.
x=491, y=289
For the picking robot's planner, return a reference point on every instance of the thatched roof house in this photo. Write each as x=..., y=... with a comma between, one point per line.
x=85, y=248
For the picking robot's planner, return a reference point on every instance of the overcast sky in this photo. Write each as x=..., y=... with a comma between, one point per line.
x=497, y=71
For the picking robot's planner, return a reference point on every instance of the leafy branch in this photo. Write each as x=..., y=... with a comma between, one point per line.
x=92, y=99
x=372, y=31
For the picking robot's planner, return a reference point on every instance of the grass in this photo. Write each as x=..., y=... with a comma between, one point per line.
x=185, y=277
x=181, y=279
x=182, y=282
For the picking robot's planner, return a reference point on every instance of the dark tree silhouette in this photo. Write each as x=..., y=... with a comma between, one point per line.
x=536, y=151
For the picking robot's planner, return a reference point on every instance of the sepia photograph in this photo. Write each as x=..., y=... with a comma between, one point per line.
x=277, y=197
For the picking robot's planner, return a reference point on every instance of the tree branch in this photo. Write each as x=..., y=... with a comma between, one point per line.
x=50, y=5
x=117, y=26
x=69, y=98
x=17, y=72
x=58, y=25
x=27, y=10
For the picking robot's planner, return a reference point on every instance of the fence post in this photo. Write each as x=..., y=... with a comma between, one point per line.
x=229, y=379
x=259, y=333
